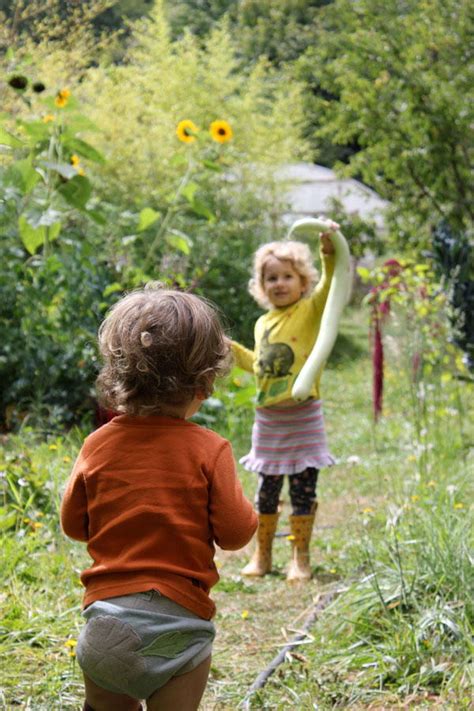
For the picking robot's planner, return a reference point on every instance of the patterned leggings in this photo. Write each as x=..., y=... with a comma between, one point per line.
x=302, y=489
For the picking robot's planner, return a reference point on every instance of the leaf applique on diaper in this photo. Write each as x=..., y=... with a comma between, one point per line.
x=169, y=644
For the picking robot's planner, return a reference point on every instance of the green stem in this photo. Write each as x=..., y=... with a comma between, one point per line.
x=168, y=215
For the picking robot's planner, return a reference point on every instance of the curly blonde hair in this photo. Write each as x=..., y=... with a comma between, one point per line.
x=298, y=253
x=159, y=346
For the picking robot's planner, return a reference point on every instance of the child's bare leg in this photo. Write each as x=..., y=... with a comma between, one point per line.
x=100, y=699
x=181, y=692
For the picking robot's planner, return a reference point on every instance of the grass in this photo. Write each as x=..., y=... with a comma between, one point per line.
x=392, y=537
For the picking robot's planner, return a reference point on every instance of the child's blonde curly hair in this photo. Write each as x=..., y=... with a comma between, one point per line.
x=298, y=253
x=159, y=346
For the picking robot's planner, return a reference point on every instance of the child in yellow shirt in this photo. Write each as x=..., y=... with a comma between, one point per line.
x=288, y=438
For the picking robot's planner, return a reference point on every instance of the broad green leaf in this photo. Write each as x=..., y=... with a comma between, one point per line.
x=24, y=173
x=37, y=130
x=179, y=240
x=32, y=237
x=203, y=210
x=189, y=191
x=7, y=139
x=83, y=149
x=169, y=644
x=97, y=216
x=212, y=166
x=147, y=217
x=76, y=191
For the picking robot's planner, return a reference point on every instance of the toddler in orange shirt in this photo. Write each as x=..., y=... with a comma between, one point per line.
x=151, y=493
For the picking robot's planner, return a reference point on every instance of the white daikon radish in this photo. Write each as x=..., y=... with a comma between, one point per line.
x=332, y=310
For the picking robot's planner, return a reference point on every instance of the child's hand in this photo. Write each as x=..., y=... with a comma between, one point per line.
x=325, y=237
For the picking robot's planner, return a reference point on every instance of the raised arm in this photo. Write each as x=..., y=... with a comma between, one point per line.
x=335, y=303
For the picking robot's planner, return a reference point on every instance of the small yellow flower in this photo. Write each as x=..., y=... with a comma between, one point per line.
x=368, y=509
x=332, y=571
x=411, y=458
x=66, y=460
x=221, y=131
x=71, y=643
x=245, y=614
x=290, y=538
x=48, y=118
x=53, y=447
x=186, y=131
x=237, y=382
x=62, y=98
x=431, y=484
x=459, y=505
x=76, y=163
x=415, y=498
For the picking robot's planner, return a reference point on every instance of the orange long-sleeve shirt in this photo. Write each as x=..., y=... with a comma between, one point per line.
x=151, y=496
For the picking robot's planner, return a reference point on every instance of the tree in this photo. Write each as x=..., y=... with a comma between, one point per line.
x=398, y=79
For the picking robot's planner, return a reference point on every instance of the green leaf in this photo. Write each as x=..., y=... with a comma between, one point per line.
x=147, y=217
x=76, y=191
x=83, y=149
x=203, y=210
x=169, y=644
x=37, y=130
x=98, y=217
x=26, y=174
x=179, y=240
x=7, y=139
x=212, y=166
x=189, y=191
x=32, y=237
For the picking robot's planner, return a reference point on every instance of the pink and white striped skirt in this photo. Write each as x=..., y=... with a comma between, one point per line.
x=288, y=440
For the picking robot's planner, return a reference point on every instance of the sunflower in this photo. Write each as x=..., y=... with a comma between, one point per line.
x=186, y=131
x=220, y=131
x=61, y=98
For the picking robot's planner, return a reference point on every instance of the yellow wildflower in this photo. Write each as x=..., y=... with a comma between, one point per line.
x=368, y=509
x=431, y=483
x=53, y=447
x=186, y=131
x=76, y=163
x=245, y=614
x=66, y=460
x=459, y=505
x=415, y=498
x=221, y=131
x=48, y=118
x=62, y=98
x=290, y=538
x=71, y=644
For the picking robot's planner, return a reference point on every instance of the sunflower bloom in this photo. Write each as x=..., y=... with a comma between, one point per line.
x=62, y=98
x=221, y=131
x=186, y=131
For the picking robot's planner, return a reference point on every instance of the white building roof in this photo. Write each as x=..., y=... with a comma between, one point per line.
x=313, y=186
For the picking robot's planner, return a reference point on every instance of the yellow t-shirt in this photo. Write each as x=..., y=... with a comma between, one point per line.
x=284, y=338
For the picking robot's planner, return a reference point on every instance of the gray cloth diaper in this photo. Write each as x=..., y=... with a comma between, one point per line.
x=134, y=644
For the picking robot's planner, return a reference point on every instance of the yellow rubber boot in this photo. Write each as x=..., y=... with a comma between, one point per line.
x=301, y=530
x=261, y=562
